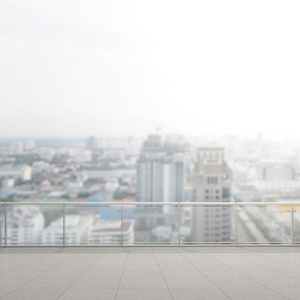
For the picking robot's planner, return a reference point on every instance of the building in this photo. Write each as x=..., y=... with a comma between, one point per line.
x=16, y=172
x=132, y=147
x=108, y=232
x=25, y=225
x=275, y=170
x=77, y=229
x=91, y=143
x=277, y=177
x=114, y=154
x=29, y=145
x=112, y=184
x=8, y=183
x=17, y=147
x=211, y=182
x=160, y=173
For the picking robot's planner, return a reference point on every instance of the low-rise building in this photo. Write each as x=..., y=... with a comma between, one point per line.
x=16, y=172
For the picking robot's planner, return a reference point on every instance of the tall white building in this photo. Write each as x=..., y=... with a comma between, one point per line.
x=160, y=173
x=212, y=183
x=25, y=225
x=91, y=143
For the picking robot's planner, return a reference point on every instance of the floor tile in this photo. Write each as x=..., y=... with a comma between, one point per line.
x=198, y=294
x=95, y=284
x=144, y=294
x=33, y=294
x=192, y=283
x=103, y=294
x=260, y=294
x=142, y=283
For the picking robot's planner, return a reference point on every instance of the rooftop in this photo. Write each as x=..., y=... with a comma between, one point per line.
x=150, y=273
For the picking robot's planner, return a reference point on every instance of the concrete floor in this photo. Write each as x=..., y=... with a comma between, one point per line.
x=150, y=273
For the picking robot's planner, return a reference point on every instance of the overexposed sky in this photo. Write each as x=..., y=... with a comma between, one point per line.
x=76, y=68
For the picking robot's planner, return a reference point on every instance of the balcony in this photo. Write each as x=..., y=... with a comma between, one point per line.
x=130, y=273
x=262, y=263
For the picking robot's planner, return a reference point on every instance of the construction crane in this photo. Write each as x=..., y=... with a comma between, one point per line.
x=157, y=128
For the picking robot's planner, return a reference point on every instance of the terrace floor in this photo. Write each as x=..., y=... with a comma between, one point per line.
x=178, y=273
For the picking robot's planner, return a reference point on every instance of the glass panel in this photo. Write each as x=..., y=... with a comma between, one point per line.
x=34, y=225
x=297, y=224
x=2, y=224
x=211, y=224
x=150, y=224
x=93, y=224
x=264, y=224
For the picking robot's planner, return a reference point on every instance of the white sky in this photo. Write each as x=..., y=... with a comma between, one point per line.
x=76, y=68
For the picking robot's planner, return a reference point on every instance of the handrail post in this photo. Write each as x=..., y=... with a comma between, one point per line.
x=179, y=225
x=122, y=242
x=5, y=224
x=64, y=224
x=292, y=225
x=236, y=229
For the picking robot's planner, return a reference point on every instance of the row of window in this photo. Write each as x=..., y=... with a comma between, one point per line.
x=216, y=191
x=218, y=234
x=212, y=197
x=212, y=180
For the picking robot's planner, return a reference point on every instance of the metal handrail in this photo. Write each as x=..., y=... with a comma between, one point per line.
x=231, y=203
x=179, y=205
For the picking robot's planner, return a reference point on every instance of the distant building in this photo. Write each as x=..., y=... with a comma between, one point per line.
x=45, y=184
x=8, y=183
x=17, y=147
x=25, y=225
x=272, y=170
x=114, y=153
x=160, y=174
x=212, y=183
x=77, y=229
x=277, y=177
x=16, y=172
x=46, y=153
x=112, y=184
x=109, y=232
x=91, y=143
x=132, y=147
x=29, y=145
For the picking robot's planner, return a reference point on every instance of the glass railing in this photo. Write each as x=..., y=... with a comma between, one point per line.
x=142, y=223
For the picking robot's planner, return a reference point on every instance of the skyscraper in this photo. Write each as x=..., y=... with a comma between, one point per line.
x=160, y=172
x=91, y=143
x=211, y=224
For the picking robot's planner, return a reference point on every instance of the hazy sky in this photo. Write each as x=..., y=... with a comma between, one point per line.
x=75, y=68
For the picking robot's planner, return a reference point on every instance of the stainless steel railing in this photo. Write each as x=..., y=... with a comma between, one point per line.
x=251, y=229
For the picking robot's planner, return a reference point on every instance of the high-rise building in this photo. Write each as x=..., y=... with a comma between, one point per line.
x=91, y=143
x=212, y=180
x=160, y=174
